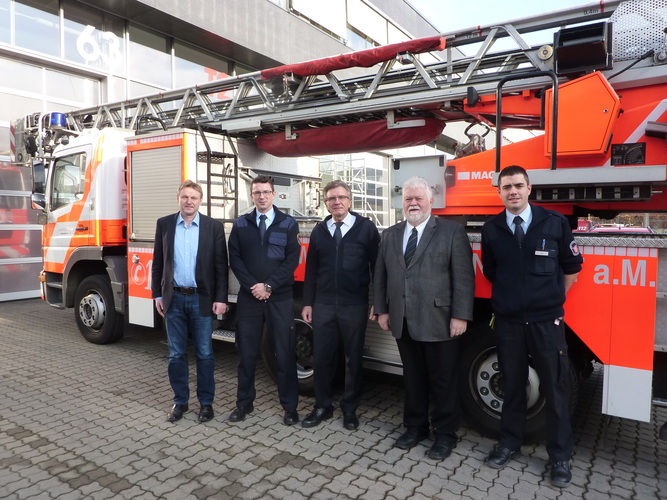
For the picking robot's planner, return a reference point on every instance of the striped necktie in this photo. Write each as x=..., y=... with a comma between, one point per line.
x=411, y=247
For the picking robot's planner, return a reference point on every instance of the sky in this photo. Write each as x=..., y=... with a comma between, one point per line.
x=451, y=15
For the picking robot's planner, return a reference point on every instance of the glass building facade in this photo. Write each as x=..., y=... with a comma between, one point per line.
x=60, y=55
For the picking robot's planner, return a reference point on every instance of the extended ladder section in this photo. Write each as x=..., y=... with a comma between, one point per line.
x=300, y=95
x=402, y=93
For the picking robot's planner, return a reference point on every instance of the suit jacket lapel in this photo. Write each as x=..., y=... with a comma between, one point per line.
x=201, y=242
x=398, y=242
x=171, y=234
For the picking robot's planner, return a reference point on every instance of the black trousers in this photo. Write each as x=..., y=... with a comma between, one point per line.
x=279, y=318
x=333, y=324
x=431, y=371
x=545, y=343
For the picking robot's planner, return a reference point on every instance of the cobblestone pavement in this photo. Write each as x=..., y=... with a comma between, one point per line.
x=84, y=421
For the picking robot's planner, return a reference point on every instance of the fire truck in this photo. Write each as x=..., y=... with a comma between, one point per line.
x=593, y=101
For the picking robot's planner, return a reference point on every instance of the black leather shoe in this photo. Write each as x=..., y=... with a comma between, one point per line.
x=499, y=457
x=240, y=413
x=560, y=473
x=176, y=412
x=350, y=421
x=291, y=418
x=441, y=449
x=205, y=413
x=316, y=416
x=411, y=437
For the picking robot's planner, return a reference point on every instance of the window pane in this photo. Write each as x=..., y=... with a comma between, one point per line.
x=140, y=90
x=5, y=35
x=194, y=66
x=150, y=61
x=14, y=106
x=84, y=91
x=367, y=21
x=60, y=107
x=241, y=70
x=21, y=76
x=37, y=26
x=93, y=38
x=330, y=14
x=68, y=180
x=115, y=89
x=4, y=143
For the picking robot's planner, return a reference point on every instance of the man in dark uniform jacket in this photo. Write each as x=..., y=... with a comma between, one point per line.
x=263, y=254
x=341, y=254
x=531, y=259
x=189, y=284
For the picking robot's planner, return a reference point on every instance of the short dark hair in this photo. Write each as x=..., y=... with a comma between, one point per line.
x=193, y=185
x=336, y=184
x=513, y=170
x=263, y=179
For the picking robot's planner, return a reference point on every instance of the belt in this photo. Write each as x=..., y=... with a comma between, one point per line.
x=185, y=290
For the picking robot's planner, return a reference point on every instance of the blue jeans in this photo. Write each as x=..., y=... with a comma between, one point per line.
x=182, y=318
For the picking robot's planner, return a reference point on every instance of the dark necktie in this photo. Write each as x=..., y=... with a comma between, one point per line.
x=262, y=227
x=338, y=234
x=518, y=229
x=411, y=247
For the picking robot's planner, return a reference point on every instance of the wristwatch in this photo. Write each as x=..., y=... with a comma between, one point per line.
x=267, y=287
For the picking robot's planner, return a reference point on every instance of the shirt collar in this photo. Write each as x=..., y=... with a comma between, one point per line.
x=180, y=219
x=526, y=215
x=347, y=221
x=420, y=227
x=269, y=215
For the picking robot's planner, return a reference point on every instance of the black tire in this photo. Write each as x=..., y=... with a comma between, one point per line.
x=96, y=317
x=482, y=389
x=304, y=356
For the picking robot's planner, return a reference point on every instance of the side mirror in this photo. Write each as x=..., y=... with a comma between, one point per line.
x=38, y=201
x=38, y=178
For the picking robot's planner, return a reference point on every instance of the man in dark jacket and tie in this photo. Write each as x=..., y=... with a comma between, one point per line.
x=532, y=260
x=263, y=254
x=341, y=255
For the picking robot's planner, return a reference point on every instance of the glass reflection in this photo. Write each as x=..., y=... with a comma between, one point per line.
x=38, y=26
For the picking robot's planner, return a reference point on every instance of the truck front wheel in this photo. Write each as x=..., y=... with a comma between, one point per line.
x=96, y=317
x=482, y=389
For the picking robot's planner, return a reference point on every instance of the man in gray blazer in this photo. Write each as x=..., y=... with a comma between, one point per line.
x=424, y=290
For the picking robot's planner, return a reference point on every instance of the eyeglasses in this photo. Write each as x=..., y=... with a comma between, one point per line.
x=334, y=198
x=260, y=193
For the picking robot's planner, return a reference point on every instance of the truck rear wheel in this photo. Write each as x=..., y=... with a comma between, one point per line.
x=304, y=356
x=482, y=389
x=96, y=317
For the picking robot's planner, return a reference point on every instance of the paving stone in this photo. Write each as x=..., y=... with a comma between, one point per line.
x=88, y=422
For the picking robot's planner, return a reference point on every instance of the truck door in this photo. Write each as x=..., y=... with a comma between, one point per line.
x=68, y=224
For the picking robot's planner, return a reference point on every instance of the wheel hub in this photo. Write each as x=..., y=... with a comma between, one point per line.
x=92, y=311
x=489, y=384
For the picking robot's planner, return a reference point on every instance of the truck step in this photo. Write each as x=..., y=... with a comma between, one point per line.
x=224, y=335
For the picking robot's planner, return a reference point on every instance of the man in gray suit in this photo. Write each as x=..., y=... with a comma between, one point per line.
x=424, y=291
